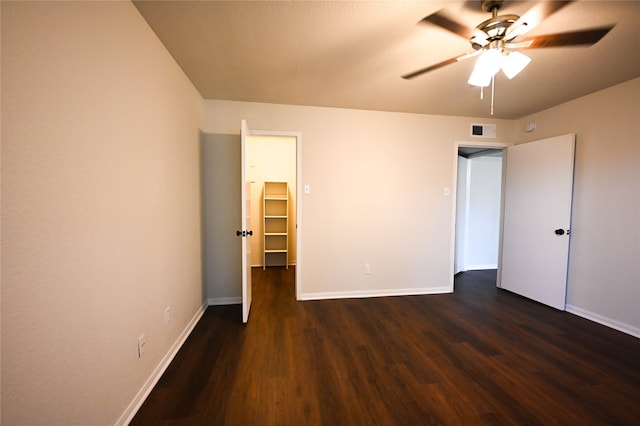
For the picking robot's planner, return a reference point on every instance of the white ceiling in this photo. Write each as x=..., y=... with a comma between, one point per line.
x=351, y=54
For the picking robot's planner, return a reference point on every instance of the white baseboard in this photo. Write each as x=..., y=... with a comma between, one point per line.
x=216, y=301
x=375, y=293
x=146, y=389
x=617, y=325
x=479, y=267
x=259, y=265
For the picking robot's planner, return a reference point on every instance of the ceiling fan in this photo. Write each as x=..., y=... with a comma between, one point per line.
x=497, y=40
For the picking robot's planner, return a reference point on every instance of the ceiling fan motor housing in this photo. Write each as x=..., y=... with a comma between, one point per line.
x=492, y=5
x=495, y=28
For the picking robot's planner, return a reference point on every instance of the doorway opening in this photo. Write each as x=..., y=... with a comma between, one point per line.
x=273, y=168
x=478, y=206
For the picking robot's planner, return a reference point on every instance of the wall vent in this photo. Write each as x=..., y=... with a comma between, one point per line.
x=483, y=130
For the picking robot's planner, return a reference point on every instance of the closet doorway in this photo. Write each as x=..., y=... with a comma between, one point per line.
x=272, y=161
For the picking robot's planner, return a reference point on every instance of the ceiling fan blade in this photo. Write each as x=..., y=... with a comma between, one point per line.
x=469, y=55
x=443, y=21
x=519, y=44
x=573, y=38
x=441, y=64
x=429, y=68
x=533, y=17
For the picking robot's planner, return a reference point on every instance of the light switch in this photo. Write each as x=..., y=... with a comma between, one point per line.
x=307, y=189
x=447, y=192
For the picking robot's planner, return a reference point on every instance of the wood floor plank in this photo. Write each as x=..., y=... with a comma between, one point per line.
x=478, y=356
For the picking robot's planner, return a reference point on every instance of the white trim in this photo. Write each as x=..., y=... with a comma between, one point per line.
x=467, y=214
x=375, y=293
x=146, y=389
x=452, y=252
x=608, y=322
x=299, y=195
x=260, y=265
x=216, y=301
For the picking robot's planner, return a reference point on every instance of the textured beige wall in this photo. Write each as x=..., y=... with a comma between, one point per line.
x=100, y=209
x=377, y=193
x=604, y=262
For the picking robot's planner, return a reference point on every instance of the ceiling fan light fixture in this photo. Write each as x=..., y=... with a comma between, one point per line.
x=496, y=41
x=479, y=80
x=487, y=65
x=513, y=63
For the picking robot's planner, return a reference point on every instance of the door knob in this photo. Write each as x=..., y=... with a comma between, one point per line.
x=559, y=231
x=249, y=233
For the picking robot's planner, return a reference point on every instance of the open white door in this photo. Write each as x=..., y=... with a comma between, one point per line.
x=537, y=219
x=245, y=230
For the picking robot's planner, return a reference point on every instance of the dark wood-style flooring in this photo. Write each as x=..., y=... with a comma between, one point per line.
x=478, y=356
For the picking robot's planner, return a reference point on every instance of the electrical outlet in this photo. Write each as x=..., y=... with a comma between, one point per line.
x=367, y=268
x=142, y=346
x=167, y=315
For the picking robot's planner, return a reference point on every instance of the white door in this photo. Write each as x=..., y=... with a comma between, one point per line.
x=537, y=219
x=245, y=231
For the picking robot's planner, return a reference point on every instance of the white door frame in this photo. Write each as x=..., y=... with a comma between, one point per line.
x=298, y=137
x=457, y=146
